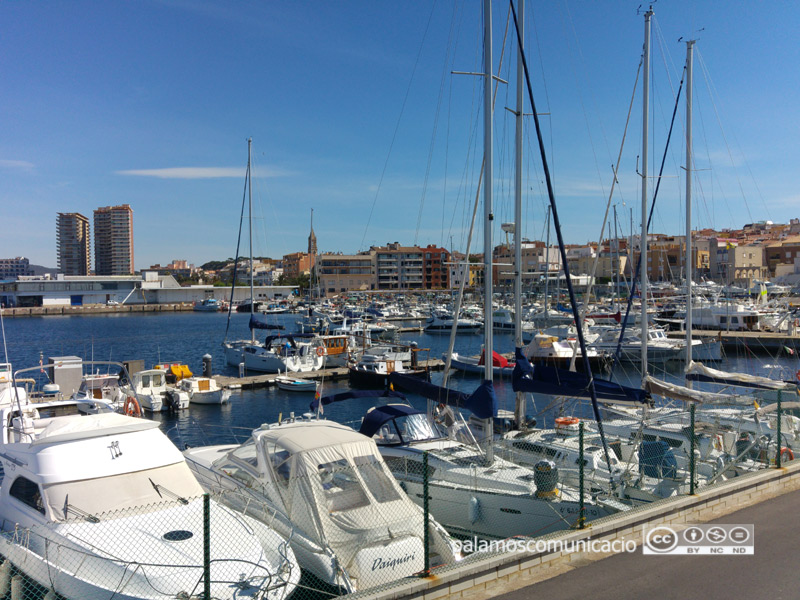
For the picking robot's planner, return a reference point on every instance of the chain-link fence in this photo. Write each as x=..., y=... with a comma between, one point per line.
x=326, y=514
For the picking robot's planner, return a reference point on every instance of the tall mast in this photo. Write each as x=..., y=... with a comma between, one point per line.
x=645, y=143
x=488, y=180
x=487, y=191
x=250, y=230
x=519, y=405
x=689, y=270
x=547, y=270
x=616, y=260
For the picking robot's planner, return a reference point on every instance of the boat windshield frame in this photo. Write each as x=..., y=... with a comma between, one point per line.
x=394, y=433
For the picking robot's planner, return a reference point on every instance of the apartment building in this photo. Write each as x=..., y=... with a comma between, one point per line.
x=113, y=240
x=72, y=244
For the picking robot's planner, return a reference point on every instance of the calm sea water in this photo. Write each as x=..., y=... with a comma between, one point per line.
x=187, y=336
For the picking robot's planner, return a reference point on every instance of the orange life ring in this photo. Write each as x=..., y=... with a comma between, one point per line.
x=320, y=351
x=563, y=421
x=785, y=451
x=132, y=407
x=797, y=375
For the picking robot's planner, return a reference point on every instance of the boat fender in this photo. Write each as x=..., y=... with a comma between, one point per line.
x=786, y=452
x=474, y=509
x=132, y=407
x=5, y=578
x=16, y=587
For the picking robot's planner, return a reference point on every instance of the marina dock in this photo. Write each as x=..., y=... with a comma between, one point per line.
x=333, y=374
x=94, y=309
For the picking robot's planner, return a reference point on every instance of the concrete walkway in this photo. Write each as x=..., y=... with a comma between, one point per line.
x=771, y=573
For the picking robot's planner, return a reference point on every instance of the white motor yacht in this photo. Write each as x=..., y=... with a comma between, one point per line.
x=104, y=506
x=203, y=390
x=326, y=487
x=471, y=494
x=152, y=392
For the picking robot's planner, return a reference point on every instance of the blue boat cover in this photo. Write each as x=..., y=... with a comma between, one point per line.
x=324, y=401
x=379, y=415
x=482, y=402
x=656, y=459
x=289, y=337
x=257, y=324
x=543, y=379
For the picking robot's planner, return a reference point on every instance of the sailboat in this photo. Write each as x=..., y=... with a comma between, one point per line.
x=295, y=353
x=472, y=491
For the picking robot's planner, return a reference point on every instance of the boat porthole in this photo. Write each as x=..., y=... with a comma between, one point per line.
x=178, y=535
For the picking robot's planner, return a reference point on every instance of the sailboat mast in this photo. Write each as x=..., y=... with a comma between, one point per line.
x=250, y=229
x=689, y=270
x=519, y=405
x=645, y=159
x=487, y=191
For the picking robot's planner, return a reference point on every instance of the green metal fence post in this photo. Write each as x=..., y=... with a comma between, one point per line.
x=581, y=505
x=692, y=441
x=778, y=448
x=426, y=510
x=206, y=547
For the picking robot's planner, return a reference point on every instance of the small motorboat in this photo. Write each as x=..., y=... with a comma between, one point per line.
x=295, y=384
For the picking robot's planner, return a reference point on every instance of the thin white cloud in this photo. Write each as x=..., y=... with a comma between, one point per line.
x=22, y=165
x=202, y=172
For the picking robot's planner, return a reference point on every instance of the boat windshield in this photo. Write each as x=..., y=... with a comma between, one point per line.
x=407, y=429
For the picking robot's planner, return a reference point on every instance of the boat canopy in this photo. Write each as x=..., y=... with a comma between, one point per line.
x=482, y=402
x=290, y=338
x=352, y=394
x=685, y=394
x=334, y=482
x=378, y=416
x=543, y=379
x=699, y=372
x=258, y=321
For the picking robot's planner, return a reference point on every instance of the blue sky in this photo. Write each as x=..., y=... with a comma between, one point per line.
x=354, y=112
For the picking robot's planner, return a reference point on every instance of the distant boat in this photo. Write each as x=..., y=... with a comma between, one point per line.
x=208, y=305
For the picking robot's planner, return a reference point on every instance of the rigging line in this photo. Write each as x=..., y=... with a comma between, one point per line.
x=635, y=274
x=433, y=134
x=447, y=132
x=562, y=249
x=465, y=274
x=610, y=195
x=537, y=38
x=712, y=95
x=600, y=176
x=397, y=125
x=238, y=243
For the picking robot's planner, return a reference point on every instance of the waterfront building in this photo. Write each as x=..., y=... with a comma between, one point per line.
x=72, y=244
x=434, y=262
x=113, y=240
x=399, y=267
x=11, y=268
x=346, y=272
x=296, y=264
x=537, y=261
x=147, y=288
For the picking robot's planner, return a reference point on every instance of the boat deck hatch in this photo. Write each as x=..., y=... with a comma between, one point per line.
x=178, y=535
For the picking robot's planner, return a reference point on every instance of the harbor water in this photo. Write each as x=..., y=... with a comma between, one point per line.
x=186, y=336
